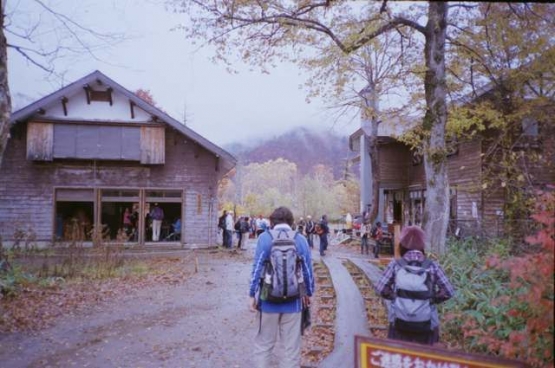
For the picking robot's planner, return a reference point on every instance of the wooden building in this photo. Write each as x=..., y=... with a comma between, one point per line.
x=474, y=210
x=79, y=157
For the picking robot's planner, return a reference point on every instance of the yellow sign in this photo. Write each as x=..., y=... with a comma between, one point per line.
x=386, y=353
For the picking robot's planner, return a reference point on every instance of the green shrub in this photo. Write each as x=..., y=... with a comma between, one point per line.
x=12, y=279
x=504, y=303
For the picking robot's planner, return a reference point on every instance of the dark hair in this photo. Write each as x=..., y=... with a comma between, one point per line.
x=404, y=250
x=282, y=215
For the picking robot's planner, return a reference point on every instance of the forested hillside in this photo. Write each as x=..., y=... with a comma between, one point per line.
x=303, y=147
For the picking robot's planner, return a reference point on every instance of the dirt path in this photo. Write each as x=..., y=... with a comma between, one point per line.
x=203, y=322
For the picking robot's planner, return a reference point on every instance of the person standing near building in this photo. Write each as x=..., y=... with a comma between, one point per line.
x=221, y=226
x=279, y=318
x=244, y=230
x=127, y=224
x=377, y=235
x=415, y=285
x=309, y=231
x=323, y=232
x=157, y=216
x=229, y=226
x=365, y=230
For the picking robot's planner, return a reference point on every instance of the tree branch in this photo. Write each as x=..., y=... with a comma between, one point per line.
x=23, y=52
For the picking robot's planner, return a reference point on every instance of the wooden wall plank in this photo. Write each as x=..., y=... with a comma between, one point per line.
x=153, y=145
x=40, y=138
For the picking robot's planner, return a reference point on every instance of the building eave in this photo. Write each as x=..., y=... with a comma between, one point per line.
x=28, y=112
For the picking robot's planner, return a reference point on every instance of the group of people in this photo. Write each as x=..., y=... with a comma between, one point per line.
x=154, y=220
x=243, y=228
x=310, y=229
x=371, y=233
x=252, y=227
x=286, y=318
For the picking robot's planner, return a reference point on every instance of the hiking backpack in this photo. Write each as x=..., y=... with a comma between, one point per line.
x=412, y=307
x=221, y=222
x=244, y=226
x=282, y=279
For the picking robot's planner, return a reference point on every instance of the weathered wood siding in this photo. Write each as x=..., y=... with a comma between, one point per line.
x=417, y=174
x=40, y=140
x=152, y=147
x=397, y=171
x=27, y=187
x=543, y=170
x=394, y=161
x=464, y=171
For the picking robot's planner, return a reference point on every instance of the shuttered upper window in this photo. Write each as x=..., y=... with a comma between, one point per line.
x=97, y=142
x=47, y=141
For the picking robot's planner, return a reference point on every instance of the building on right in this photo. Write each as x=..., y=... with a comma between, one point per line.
x=494, y=169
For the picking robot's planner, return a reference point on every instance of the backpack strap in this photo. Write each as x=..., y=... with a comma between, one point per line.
x=419, y=295
x=426, y=264
x=277, y=233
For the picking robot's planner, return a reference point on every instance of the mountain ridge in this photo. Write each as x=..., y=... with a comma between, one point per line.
x=303, y=146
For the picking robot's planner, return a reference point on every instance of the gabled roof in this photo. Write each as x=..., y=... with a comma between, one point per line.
x=24, y=114
x=353, y=138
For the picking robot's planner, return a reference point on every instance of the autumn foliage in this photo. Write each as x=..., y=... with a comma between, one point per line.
x=505, y=307
x=145, y=95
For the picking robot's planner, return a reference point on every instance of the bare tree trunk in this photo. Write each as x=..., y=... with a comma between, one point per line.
x=5, y=99
x=436, y=213
x=370, y=115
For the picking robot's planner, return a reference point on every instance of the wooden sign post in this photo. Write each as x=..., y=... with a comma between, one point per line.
x=386, y=353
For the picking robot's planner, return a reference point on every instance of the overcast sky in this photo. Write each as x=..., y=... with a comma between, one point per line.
x=222, y=107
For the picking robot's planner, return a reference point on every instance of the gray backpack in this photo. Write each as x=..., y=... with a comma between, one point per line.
x=282, y=279
x=412, y=307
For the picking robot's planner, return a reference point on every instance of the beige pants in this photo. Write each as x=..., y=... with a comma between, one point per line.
x=288, y=325
x=156, y=225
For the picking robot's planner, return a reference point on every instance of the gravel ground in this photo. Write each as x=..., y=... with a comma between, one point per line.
x=203, y=322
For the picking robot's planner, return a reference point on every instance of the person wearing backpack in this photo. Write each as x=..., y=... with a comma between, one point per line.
x=322, y=229
x=415, y=285
x=221, y=226
x=237, y=230
x=377, y=235
x=280, y=289
x=229, y=228
x=242, y=231
x=365, y=230
x=309, y=231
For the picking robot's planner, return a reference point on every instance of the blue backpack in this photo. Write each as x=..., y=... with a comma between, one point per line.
x=282, y=279
x=412, y=307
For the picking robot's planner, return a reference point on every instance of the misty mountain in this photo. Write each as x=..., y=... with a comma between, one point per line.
x=302, y=146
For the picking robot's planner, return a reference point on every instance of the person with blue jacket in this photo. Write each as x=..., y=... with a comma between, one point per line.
x=285, y=317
